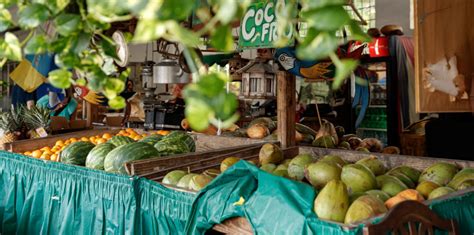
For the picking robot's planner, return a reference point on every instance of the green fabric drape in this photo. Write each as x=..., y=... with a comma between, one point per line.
x=43, y=197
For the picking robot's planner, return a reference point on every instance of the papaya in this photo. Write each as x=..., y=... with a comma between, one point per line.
x=393, y=201
x=390, y=184
x=464, y=174
x=411, y=194
x=426, y=187
x=364, y=207
x=379, y=194
x=411, y=172
x=439, y=192
x=358, y=178
x=441, y=173
x=297, y=166
x=334, y=159
x=374, y=164
x=270, y=153
x=332, y=202
x=320, y=173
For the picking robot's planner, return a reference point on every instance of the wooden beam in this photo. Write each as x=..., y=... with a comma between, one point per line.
x=286, y=108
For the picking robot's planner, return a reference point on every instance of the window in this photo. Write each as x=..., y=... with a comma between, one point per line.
x=366, y=8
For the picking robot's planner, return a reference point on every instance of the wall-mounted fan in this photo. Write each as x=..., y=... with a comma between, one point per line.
x=121, y=49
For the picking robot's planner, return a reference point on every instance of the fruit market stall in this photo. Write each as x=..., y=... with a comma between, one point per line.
x=375, y=183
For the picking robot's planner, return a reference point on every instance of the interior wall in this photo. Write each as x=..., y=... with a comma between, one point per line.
x=393, y=12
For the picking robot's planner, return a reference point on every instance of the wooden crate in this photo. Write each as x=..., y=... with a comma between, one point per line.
x=21, y=146
x=215, y=161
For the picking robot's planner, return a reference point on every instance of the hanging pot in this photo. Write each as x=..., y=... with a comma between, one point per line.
x=168, y=71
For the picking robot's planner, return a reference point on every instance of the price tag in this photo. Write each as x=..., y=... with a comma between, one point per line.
x=41, y=132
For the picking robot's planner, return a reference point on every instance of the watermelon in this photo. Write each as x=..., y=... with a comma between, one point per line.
x=95, y=158
x=76, y=153
x=181, y=136
x=115, y=159
x=152, y=139
x=120, y=140
x=166, y=148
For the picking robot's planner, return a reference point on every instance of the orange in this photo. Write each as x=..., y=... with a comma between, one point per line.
x=129, y=130
x=54, y=157
x=59, y=142
x=67, y=142
x=27, y=153
x=144, y=135
x=137, y=138
x=45, y=156
x=73, y=139
x=106, y=136
x=101, y=141
x=37, y=153
x=85, y=139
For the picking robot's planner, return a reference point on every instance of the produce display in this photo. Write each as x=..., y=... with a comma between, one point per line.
x=110, y=152
x=349, y=192
x=23, y=123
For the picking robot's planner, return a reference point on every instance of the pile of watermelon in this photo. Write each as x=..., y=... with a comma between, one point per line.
x=112, y=155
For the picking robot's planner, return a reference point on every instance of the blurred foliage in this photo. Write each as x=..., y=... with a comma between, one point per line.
x=81, y=47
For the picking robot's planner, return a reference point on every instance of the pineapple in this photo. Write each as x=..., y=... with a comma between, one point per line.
x=11, y=124
x=36, y=117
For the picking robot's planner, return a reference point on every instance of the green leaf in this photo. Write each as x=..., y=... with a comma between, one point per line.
x=177, y=33
x=329, y=18
x=60, y=44
x=148, y=30
x=176, y=9
x=67, y=24
x=55, y=6
x=222, y=39
x=81, y=82
x=13, y=48
x=80, y=42
x=211, y=84
x=109, y=46
x=5, y=20
x=38, y=44
x=33, y=15
x=112, y=87
x=344, y=68
x=224, y=105
x=226, y=10
x=313, y=4
x=117, y=103
x=357, y=33
x=67, y=60
x=60, y=78
x=109, y=67
x=316, y=46
x=198, y=114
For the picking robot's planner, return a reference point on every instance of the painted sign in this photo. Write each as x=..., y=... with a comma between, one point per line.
x=258, y=27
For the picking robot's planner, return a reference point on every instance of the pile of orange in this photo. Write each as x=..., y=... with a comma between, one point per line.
x=52, y=153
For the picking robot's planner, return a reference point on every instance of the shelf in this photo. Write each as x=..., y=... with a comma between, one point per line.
x=371, y=129
x=375, y=106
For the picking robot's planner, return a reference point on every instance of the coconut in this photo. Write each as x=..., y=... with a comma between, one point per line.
x=391, y=150
x=185, y=180
x=362, y=149
x=426, y=187
x=269, y=167
x=173, y=177
x=320, y=173
x=270, y=153
x=439, y=192
x=440, y=173
x=372, y=144
x=379, y=194
x=354, y=196
x=344, y=145
x=282, y=167
x=364, y=207
x=327, y=129
x=282, y=173
x=340, y=131
x=334, y=159
x=228, y=162
x=354, y=142
x=332, y=202
x=297, y=166
x=358, y=178
x=258, y=131
x=374, y=164
x=198, y=182
x=465, y=185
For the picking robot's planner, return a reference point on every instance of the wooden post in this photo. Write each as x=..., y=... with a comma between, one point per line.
x=286, y=106
x=88, y=114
